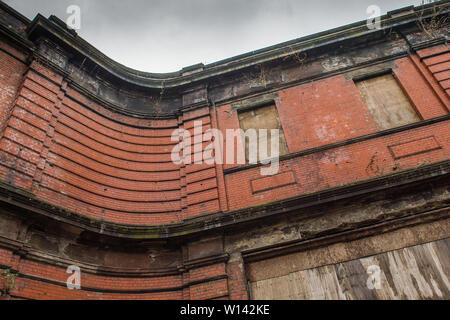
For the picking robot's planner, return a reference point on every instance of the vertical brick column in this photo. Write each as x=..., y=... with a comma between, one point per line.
x=425, y=77
x=25, y=134
x=12, y=69
x=223, y=201
x=200, y=186
x=5, y=257
x=50, y=132
x=208, y=282
x=237, y=282
x=183, y=195
x=205, y=270
x=185, y=275
x=437, y=62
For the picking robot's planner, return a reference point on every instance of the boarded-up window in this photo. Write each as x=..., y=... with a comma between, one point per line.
x=411, y=273
x=386, y=101
x=263, y=118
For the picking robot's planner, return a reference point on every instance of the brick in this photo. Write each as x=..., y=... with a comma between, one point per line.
x=73, y=152
x=273, y=182
x=414, y=147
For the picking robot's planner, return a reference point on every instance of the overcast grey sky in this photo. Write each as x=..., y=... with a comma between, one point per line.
x=167, y=35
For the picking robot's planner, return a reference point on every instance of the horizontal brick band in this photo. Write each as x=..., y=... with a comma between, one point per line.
x=414, y=147
x=273, y=182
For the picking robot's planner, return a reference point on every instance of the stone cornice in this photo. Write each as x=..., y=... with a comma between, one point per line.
x=30, y=206
x=54, y=28
x=121, y=89
x=336, y=236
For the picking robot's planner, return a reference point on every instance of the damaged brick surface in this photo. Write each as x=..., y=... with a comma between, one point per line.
x=86, y=176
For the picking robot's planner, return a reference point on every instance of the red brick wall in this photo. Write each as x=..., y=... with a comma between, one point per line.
x=199, y=181
x=323, y=112
x=418, y=86
x=72, y=152
x=12, y=67
x=437, y=61
x=76, y=154
x=37, y=280
x=332, y=110
x=237, y=281
x=340, y=166
x=212, y=290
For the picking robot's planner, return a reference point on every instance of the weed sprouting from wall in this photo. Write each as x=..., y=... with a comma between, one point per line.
x=432, y=26
x=7, y=281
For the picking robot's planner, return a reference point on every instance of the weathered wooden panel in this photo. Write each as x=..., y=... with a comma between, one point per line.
x=419, y=272
x=386, y=102
x=263, y=118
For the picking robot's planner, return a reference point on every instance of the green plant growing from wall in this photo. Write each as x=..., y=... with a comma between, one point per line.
x=8, y=281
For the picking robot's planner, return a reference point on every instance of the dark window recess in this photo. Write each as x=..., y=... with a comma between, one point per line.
x=263, y=118
x=386, y=102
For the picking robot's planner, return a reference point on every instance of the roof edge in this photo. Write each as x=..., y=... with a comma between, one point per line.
x=71, y=41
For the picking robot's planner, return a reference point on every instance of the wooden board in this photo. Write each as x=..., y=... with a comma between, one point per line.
x=263, y=118
x=386, y=102
x=419, y=272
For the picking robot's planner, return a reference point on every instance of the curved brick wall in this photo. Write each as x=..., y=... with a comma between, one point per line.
x=70, y=141
x=80, y=156
x=115, y=168
x=39, y=280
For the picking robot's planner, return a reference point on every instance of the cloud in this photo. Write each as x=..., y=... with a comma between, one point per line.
x=166, y=35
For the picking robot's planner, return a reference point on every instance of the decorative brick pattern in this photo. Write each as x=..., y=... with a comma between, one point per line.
x=414, y=147
x=437, y=60
x=277, y=181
